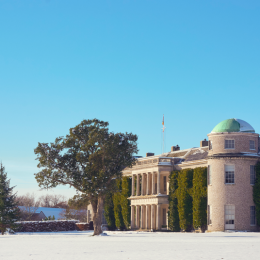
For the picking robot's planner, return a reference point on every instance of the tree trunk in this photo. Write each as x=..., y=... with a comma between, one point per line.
x=97, y=215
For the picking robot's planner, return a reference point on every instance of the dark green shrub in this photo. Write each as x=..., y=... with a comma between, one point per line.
x=109, y=211
x=173, y=215
x=199, y=195
x=185, y=199
x=117, y=206
x=125, y=203
x=118, y=211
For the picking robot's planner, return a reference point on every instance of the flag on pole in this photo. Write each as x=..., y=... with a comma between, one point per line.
x=163, y=123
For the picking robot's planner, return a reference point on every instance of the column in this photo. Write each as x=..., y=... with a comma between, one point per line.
x=142, y=188
x=152, y=217
x=133, y=185
x=88, y=215
x=158, y=182
x=137, y=217
x=158, y=219
x=167, y=220
x=167, y=179
x=147, y=217
x=143, y=217
x=137, y=185
x=147, y=183
x=132, y=217
x=153, y=182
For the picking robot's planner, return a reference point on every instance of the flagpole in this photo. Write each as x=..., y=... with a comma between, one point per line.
x=163, y=142
x=163, y=132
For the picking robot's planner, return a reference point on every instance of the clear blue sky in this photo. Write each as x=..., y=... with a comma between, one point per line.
x=126, y=62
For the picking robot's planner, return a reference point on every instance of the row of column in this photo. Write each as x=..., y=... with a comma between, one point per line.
x=146, y=217
x=88, y=216
x=155, y=185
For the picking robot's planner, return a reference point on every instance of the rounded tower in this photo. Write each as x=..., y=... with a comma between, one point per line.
x=233, y=153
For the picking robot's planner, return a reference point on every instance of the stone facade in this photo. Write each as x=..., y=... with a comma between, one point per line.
x=239, y=194
x=242, y=142
x=150, y=185
x=230, y=158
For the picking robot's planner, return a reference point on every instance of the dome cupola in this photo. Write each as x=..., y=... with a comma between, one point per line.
x=233, y=125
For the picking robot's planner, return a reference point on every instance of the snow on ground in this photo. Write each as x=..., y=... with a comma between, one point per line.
x=75, y=245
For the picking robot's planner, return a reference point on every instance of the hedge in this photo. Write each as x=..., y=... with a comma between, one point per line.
x=173, y=214
x=188, y=199
x=125, y=202
x=199, y=196
x=117, y=206
x=184, y=199
x=109, y=211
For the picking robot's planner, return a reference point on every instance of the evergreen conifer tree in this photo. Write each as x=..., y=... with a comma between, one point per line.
x=119, y=221
x=184, y=198
x=173, y=214
x=199, y=195
x=109, y=211
x=117, y=210
x=125, y=202
x=9, y=211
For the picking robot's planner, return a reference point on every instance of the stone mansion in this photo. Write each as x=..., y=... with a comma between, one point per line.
x=230, y=154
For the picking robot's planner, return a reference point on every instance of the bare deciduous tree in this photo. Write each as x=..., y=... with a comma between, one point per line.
x=77, y=208
x=70, y=213
x=28, y=205
x=45, y=201
x=51, y=200
x=57, y=199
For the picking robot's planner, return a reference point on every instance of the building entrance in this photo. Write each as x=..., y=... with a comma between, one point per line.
x=229, y=216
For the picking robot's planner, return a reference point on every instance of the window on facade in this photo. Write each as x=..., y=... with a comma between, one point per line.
x=210, y=145
x=229, y=144
x=164, y=183
x=164, y=217
x=209, y=175
x=209, y=215
x=252, y=216
x=229, y=174
x=229, y=215
x=252, y=174
x=155, y=186
x=252, y=145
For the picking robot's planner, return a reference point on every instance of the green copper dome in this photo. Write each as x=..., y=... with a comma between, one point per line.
x=233, y=125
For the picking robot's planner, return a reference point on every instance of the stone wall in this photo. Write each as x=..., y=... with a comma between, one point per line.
x=47, y=226
x=239, y=194
x=242, y=141
x=84, y=226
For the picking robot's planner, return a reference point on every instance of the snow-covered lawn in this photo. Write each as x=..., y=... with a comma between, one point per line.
x=130, y=245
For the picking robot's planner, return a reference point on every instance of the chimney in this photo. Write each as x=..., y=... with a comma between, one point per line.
x=204, y=143
x=175, y=148
x=149, y=154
